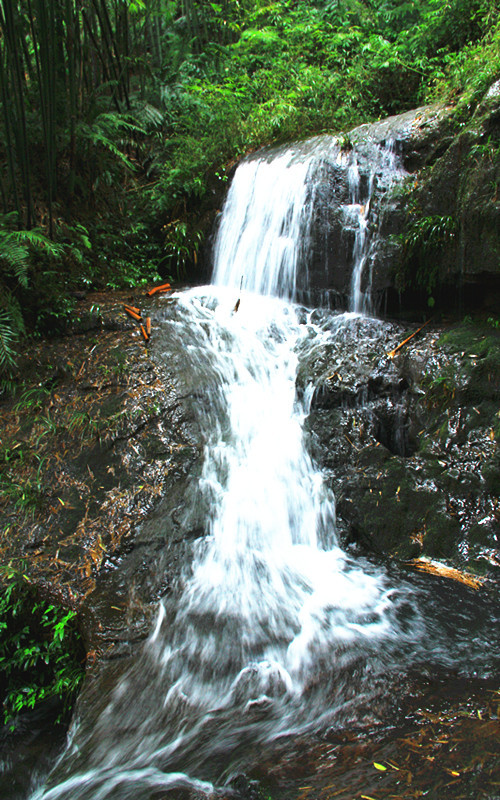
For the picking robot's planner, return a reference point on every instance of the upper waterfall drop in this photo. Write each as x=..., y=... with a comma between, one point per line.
x=264, y=225
x=300, y=222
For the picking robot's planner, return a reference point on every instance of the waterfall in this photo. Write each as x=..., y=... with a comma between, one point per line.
x=274, y=206
x=264, y=225
x=274, y=628
x=357, y=213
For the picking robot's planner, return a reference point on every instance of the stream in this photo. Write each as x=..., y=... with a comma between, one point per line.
x=274, y=630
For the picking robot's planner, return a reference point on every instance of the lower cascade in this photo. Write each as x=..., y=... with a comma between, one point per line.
x=274, y=629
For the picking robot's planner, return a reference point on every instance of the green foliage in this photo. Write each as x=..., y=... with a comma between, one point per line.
x=181, y=245
x=7, y=343
x=423, y=241
x=465, y=73
x=430, y=232
x=40, y=648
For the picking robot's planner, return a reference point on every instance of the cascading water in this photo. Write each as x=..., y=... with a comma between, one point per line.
x=357, y=211
x=275, y=629
x=265, y=223
x=358, y=214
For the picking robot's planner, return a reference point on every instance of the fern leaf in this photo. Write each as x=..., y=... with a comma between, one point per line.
x=7, y=339
x=36, y=239
x=14, y=257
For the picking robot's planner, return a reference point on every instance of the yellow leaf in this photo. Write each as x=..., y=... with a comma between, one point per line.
x=379, y=766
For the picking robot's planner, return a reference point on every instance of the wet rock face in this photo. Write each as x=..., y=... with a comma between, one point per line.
x=410, y=444
x=384, y=155
x=439, y=169
x=454, y=184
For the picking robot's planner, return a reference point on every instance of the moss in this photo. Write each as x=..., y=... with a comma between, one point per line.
x=443, y=533
x=479, y=535
x=491, y=475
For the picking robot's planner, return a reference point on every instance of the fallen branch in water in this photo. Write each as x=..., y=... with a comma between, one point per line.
x=436, y=568
x=392, y=353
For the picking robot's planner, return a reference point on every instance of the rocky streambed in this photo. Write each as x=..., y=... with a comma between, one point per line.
x=99, y=449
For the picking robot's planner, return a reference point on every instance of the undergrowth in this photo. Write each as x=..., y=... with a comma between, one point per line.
x=41, y=651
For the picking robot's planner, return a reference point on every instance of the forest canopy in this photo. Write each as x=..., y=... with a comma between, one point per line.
x=121, y=119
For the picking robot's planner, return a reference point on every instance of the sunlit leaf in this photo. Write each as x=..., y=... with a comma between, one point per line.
x=379, y=766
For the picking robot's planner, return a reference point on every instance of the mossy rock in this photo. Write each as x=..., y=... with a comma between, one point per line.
x=491, y=475
x=443, y=534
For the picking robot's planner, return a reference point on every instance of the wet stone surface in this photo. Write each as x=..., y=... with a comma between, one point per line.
x=413, y=460
x=94, y=440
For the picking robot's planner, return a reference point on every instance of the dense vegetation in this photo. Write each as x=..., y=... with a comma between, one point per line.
x=119, y=118
x=41, y=653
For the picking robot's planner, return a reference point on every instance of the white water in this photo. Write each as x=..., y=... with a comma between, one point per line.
x=275, y=630
x=357, y=212
x=265, y=223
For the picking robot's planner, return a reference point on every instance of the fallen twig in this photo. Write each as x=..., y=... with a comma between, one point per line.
x=436, y=568
x=392, y=353
x=165, y=287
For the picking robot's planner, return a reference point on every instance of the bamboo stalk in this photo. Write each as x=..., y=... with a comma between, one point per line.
x=133, y=314
x=9, y=24
x=8, y=136
x=132, y=308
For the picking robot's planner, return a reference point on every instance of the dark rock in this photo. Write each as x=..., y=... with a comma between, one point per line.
x=409, y=444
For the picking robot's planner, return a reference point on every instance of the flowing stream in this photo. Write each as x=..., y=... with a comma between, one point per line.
x=274, y=628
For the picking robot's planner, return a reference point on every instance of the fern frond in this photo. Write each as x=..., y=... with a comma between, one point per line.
x=117, y=123
x=14, y=257
x=97, y=138
x=36, y=239
x=153, y=117
x=7, y=339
